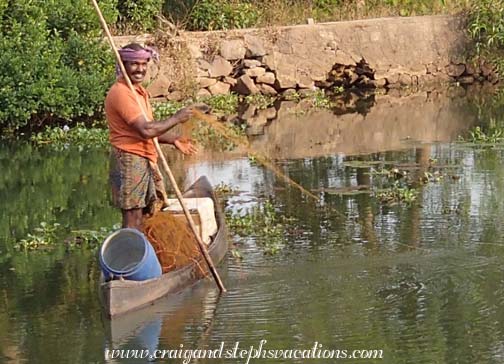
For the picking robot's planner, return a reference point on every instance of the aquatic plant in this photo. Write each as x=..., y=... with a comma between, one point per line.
x=163, y=110
x=46, y=236
x=394, y=185
x=397, y=193
x=316, y=99
x=41, y=237
x=223, y=104
x=493, y=135
x=90, y=239
x=78, y=136
x=263, y=223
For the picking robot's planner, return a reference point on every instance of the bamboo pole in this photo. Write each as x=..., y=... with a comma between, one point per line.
x=167, y=169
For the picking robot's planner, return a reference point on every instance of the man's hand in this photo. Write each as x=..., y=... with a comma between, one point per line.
x=186, y=146
x=184, y=114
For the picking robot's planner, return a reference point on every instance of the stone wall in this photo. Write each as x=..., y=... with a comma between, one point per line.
x=385, y=52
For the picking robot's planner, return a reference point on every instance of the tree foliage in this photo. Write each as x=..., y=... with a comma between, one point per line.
x=54, y=65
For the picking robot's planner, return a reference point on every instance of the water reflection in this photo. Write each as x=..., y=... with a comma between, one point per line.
x=426, y=117
x=422, y=282
x=165, y=323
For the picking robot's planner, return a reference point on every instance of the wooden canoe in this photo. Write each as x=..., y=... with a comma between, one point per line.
x=121, y=296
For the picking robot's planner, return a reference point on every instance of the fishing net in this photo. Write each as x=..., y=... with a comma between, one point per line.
x=173, y=241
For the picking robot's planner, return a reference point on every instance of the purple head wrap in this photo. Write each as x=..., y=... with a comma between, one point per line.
x=132, y=55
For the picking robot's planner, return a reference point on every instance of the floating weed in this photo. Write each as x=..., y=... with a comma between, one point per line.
x=223, y=104
x=91, y=239
x=479, y=137
x=315, y=99
x=262, y=222
x=60, y=138
x=47, y=235
x=429, y=177
x=397, y=193
x=398, y=185
x=42, y=237
x=163, y=110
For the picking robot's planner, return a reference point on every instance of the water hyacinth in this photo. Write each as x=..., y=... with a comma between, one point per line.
x=79, y=136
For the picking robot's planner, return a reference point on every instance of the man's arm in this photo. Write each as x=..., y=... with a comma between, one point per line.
x=168, y=137
x=149, y=130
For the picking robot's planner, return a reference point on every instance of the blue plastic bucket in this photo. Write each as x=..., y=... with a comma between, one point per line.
x=127, y=253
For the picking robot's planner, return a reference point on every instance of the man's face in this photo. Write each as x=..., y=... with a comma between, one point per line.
x=136, y=70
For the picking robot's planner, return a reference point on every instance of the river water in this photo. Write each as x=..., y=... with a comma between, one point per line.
x=423, y=282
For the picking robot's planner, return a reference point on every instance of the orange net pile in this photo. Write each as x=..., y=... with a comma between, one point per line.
x=172, y=240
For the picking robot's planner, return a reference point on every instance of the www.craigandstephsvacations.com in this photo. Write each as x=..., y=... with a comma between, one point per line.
x=235, y=351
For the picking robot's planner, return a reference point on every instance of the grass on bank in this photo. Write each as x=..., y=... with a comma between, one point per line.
x=223, y=14
x=96, y=136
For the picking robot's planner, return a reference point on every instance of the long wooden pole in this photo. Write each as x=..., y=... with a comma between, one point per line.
x=167, y=169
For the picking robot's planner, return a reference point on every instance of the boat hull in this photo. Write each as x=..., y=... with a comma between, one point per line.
x=121, y=296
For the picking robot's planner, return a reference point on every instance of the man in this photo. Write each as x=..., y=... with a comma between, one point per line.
x=134, y=174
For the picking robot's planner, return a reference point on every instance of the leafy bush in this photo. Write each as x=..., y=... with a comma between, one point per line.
x=138, y=14
x=54, y=67
x=213, y=14
x=486, y=24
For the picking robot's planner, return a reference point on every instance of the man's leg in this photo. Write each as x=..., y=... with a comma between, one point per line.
x=132, y=218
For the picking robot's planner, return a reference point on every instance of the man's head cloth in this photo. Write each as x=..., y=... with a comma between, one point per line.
x=134, y=52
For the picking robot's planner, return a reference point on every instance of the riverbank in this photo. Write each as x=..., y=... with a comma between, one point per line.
x=363, y=54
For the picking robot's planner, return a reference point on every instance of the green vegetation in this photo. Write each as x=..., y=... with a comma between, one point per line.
x=163, y=110
x=262, y=222
x=486, y=27
x=397, y=193
x=220, y=14
x=48, y=236
x=223, y=104
x=57, y=69
x=223, y=189
x=489, y=135
x=493, y=135
x=260, y=101
x=401, y=185
x=42, y=237
x=63, y=137
x=137, y=15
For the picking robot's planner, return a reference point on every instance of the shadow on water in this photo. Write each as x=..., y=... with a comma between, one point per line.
x=420, y=281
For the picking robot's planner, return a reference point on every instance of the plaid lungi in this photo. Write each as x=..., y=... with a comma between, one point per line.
x=136, y=182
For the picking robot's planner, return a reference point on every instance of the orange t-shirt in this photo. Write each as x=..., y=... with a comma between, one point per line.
x=121, y=109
